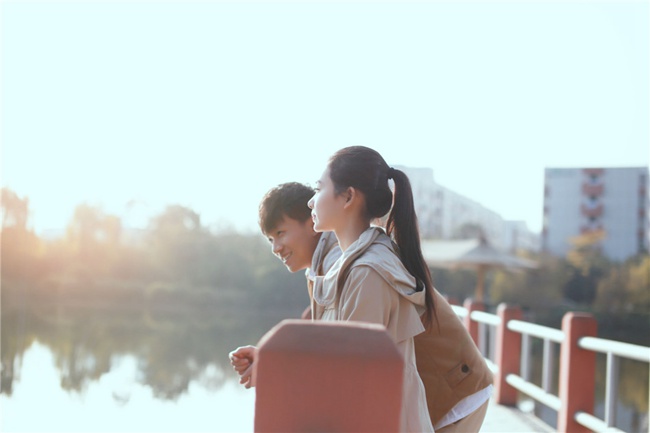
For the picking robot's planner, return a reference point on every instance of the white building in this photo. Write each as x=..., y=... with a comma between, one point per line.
x=443, y=214
x=586, y=200
x=517, y=237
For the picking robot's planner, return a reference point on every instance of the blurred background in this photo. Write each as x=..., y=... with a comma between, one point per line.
x=139, y=137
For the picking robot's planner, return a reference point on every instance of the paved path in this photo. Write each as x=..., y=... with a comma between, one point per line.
x=504, y=419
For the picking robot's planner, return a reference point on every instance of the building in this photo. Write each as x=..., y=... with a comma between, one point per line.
x=610, y=201
x=517, y=237
x=445, y=214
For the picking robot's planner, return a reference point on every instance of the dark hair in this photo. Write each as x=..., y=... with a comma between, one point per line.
x=288, y=199
x=365, y=170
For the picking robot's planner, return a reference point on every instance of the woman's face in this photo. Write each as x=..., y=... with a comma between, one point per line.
x=326, y=206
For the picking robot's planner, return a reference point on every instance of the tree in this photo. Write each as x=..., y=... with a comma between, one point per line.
x=533, y=289
x=21, y=248
x=15, y=210
x=177, y=240
x=93, y=243
x=587, y=266
x=626, y=287
x=638, y=283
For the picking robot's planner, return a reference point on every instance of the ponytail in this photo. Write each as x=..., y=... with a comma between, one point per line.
x=365, y=169
x=402, y=226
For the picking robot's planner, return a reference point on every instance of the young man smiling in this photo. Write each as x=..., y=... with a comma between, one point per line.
x=285, y=220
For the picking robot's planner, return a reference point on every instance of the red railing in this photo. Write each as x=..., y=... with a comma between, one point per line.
x=578, y=347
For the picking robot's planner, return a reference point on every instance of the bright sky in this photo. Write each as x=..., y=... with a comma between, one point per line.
x=209, y=104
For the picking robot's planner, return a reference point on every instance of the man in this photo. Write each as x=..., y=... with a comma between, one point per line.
x=285, y=219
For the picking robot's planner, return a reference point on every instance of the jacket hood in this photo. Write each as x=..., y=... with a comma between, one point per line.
x=374, y=249
x=324, y=256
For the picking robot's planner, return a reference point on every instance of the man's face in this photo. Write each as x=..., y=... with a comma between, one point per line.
x=294, y=242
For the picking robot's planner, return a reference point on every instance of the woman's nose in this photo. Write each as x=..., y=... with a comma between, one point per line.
x=310, y=203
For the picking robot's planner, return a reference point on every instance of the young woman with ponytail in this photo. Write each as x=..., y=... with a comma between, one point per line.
x=382, y=278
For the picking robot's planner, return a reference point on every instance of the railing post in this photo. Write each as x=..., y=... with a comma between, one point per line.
x=508, y=355
x=577, y=371
x=473, y=326
x=327, y=377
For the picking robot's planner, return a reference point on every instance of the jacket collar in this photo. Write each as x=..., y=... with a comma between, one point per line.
x=319, y=267
x=381, y=255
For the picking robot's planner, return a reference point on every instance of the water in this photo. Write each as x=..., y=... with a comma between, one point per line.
x=119, y=369
x=118, y=401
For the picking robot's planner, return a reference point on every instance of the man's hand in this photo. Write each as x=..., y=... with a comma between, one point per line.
x=242, y=360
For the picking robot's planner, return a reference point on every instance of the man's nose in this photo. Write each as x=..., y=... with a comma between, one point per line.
x=276, y=247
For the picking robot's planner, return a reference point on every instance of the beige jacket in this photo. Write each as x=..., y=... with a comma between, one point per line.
x=368, y=283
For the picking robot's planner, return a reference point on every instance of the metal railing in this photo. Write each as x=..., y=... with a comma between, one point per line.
x=501, y=324
x=614, y=351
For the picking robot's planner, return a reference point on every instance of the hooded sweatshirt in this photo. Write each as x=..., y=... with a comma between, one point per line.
x=369, y=283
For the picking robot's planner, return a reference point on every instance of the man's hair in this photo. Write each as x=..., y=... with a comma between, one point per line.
x=287, y=199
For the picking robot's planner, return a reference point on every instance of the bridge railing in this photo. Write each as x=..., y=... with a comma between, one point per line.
x=505, y=341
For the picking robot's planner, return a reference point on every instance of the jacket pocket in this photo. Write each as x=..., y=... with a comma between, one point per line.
x=458, y=374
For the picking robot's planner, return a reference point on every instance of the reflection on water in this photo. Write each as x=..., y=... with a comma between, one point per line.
x=119, y=401
x=89, y=368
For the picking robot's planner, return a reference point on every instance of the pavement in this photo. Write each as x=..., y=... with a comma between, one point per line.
x=506, y=419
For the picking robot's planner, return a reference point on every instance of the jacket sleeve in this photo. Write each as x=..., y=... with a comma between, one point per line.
x=366, y=297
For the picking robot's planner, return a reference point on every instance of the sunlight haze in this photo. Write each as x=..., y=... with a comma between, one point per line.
x=132, y=106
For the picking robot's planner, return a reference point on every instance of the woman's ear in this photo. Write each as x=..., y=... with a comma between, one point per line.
x=352, y=197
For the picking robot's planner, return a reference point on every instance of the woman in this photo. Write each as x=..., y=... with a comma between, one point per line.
x=375, y=280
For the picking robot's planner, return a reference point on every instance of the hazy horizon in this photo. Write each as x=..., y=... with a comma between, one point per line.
x=132, y=106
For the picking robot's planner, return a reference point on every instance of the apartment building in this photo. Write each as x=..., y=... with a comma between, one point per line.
x=444, y=214
x=610, y=201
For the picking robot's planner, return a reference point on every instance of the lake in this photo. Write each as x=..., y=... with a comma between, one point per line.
x=135, y=367
x=68, y=369
x=119, y=401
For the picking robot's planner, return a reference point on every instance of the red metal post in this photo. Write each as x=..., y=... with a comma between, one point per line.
x=327, y=376
x=577, y=371
x=472, y=326
x=508, y=355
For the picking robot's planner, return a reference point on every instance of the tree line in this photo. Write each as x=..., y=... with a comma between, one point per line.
x=176, y=254
x=176, y=257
